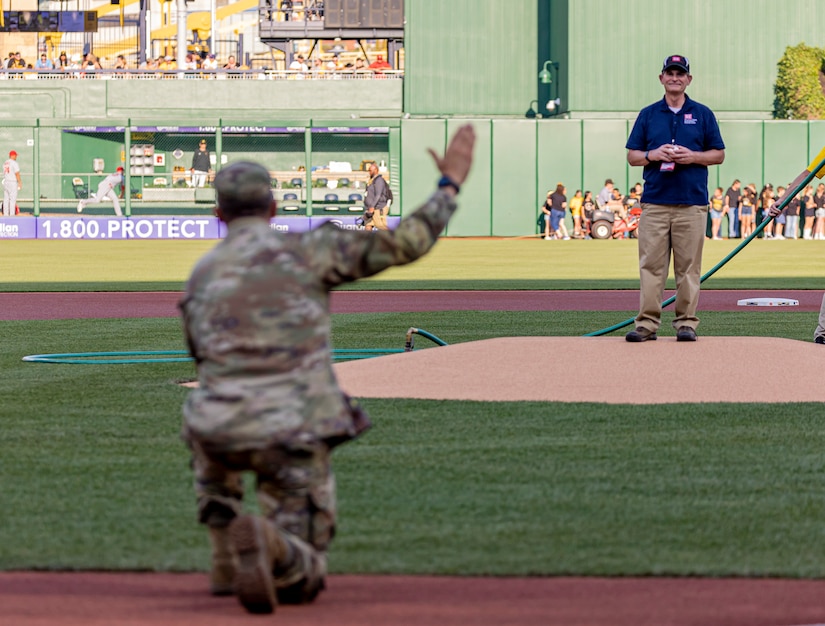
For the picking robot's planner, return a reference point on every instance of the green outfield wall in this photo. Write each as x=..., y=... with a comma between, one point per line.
x=516, y=160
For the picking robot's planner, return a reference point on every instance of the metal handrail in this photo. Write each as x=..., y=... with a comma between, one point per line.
x=201, y=74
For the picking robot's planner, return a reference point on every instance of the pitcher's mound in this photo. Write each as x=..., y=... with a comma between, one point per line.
x=597, y=369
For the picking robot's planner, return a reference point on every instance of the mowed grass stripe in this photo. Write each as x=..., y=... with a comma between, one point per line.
x=96, y=477
x=136, y=265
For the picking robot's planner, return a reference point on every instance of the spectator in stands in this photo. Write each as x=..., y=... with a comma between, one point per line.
x=588, y=206
x=558, y=208
x=210, y=62
x=819, y=212
x=361, y=65
x=717, y=210
x=783, y=220
x=315, y=10
x=44, y=63
x=807, y=205
x=19, y=62
x=765, y=201
x=546, y=209
x=286, y=9
x=168, y=63
x=732, y=203
x=318, y=67
x=632, y=199
x=605, y=195
x=616, y=203
x=298, y=67
x=63, y=61
x=747, y=211
x=792, y=215
x=576, y=203
x=231, y=63
x=9, y=60
x=120, y=65
x=91, y=62
x=380, y=65
x=190, y=63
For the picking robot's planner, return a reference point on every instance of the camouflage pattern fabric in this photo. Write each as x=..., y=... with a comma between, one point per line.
x=256, y=317
x=296, y=492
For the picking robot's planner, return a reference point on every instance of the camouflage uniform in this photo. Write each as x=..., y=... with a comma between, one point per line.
x=256, y=317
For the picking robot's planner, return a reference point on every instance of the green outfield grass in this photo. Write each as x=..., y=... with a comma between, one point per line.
x=95, y=477
x=38, y=265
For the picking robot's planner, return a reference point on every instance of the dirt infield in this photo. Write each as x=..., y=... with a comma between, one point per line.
x=90, y=305
x=138, y=599
x=493, y=370
x=99, y=599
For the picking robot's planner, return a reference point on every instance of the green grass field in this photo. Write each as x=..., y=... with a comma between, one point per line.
x=95, y=476
x=133, y=265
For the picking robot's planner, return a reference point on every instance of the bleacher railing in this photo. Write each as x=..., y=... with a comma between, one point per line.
x=219, y=74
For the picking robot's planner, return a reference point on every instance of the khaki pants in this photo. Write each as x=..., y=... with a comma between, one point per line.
x=665, y=229
x=378, y=221
x=296, y=492
x=820, y=327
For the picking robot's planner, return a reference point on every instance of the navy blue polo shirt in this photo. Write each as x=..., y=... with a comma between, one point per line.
x=694, y=127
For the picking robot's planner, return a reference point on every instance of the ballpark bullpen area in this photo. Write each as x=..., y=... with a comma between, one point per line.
x=96, y=478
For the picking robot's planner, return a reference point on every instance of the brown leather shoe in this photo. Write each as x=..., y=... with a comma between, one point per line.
x=685, y=333
x=640, y=334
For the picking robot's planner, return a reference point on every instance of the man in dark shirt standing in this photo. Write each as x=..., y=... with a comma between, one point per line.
x=732, y=196
x=675, y=139
x=201, y=165
x=376, y=201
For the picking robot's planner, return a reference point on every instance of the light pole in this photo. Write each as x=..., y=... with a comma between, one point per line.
x=546, y=78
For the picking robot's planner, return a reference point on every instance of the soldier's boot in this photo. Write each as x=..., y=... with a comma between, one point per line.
x=259, y=547
x=311, y=568
x=222, y=574
x=302, y=592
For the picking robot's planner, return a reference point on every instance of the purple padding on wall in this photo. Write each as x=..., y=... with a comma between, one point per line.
x=18, y=228
x=153, y=227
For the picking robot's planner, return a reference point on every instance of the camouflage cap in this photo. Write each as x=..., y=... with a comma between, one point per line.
x=243, y=188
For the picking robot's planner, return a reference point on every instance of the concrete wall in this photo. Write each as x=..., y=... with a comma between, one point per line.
x=189, y=100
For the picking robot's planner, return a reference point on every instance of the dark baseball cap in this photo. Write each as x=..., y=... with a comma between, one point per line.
x=678, y=61
x=243, y=188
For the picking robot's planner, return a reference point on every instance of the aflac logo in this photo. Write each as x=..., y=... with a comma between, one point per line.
x=9, y=231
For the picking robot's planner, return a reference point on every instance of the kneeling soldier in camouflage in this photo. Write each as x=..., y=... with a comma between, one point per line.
x=256, y=317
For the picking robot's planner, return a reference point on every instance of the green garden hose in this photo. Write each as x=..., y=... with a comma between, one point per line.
x=182, y=356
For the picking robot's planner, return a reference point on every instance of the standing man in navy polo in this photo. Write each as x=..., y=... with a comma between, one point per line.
x=675, y=139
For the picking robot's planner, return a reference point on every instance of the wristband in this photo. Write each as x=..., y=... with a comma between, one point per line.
x=647, y=158
x=446, y=181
